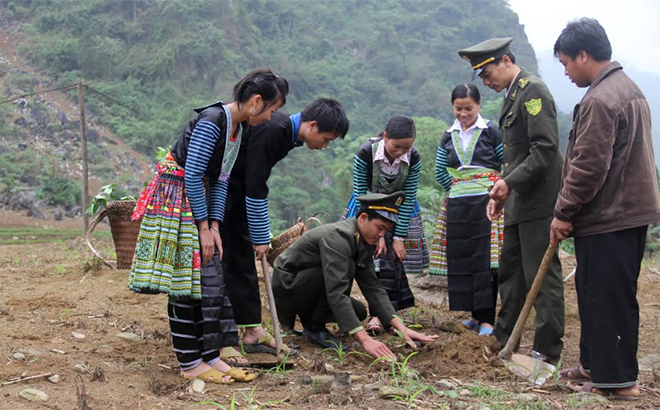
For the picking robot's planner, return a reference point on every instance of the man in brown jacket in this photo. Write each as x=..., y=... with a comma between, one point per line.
x=608, y=198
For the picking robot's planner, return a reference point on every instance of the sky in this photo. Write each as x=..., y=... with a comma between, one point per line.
x=631, y=26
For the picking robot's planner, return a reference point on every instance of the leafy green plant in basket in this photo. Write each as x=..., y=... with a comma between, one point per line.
x=124, y=230
x=100, y=201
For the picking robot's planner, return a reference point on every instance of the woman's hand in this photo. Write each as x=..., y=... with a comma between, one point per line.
x=260, y=250
x=209, y=240
x=381, y=248
x=399, y=249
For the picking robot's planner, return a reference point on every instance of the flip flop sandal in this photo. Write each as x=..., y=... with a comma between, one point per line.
x=470, y=324
x=485, y=331
x=212, y=376
x=611, y=394
x=262, y=345
x=575, y=374
x=374, y=328
x=229, y=353
x=241, y=375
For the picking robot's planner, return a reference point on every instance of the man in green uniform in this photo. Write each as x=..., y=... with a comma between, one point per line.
x=528, y=190
x=313, y=278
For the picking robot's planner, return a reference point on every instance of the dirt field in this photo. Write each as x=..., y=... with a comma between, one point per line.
x=59, y=310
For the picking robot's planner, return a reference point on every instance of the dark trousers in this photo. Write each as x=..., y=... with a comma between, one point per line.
x=606, y=284
x=393, y=277
x=488, y=315
x=522, y=251
x=307, y=299
x=201, y=327
x=241, y=273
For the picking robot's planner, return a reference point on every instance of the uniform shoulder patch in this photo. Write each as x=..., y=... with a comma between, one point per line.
x=522, y=83
x=534, y=106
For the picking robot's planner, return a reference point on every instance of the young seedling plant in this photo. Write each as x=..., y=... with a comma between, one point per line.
x=341, y=354
x=406, y=378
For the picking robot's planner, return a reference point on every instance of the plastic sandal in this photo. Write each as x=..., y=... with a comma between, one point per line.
x=229, y=354
x=485, y=331
x=211, y=376
x=262, y=345
x=470, y=324
x=241, y=375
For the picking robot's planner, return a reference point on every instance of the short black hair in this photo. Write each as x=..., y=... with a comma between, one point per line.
x=329, y=116
x=466, y=91
x=511, y=57
x=371, y=214
x=585, y=34
x=400, y=127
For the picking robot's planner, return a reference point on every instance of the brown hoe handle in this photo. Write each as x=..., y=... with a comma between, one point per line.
x=273, y=310
x=529, y=302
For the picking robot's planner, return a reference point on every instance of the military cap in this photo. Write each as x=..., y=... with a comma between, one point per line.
x=386, y=206
x=485, y=52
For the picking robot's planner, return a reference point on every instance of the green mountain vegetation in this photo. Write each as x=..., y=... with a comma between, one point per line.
x=160, y=58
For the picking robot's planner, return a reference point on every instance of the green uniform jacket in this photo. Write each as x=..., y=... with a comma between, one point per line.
x=338, y=253
x=532, y=164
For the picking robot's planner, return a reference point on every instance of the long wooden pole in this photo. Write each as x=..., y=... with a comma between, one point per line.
x=507, y=352
x=272, y=308
x=85, y=160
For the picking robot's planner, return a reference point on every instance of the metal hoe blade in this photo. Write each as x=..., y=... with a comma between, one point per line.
x=534, y=370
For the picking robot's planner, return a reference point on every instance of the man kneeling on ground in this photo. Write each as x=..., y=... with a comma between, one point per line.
x=313, y=278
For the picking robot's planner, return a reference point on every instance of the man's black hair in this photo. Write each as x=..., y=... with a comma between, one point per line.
x=511, y=57
x=371, y=214
x=587, y=35
x=329, y=116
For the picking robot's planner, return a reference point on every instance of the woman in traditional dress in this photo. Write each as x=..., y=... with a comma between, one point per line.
x=179, y=247
x=386, y=164
x=466, y=245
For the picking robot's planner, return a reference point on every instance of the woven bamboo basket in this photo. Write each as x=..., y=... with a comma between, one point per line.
x=282, y=241
x=124, y=232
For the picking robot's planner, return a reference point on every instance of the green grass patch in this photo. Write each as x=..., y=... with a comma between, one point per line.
x=21, y=235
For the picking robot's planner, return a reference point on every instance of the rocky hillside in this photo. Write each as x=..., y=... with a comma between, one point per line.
x=41, y=149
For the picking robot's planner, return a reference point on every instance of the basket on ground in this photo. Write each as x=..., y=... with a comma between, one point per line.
x=282, y=241
x=124, y=232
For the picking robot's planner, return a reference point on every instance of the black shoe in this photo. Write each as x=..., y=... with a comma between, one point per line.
x=323, y=338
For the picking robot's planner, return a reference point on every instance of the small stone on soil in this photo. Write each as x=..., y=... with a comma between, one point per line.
x=451, y=327
x=33, y=395
x=322, y=384
x=584, y=397
x=198, y=386
x=54, y=378
x=388, y=392
x=30, y=352
x=374, y=386
x=131, y=337
x=445, y=384
x=19, y=356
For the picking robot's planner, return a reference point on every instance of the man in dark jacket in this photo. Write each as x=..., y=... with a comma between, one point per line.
x=313, y=278
x=247, y=227
x=608, y=198
x=531, y=177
